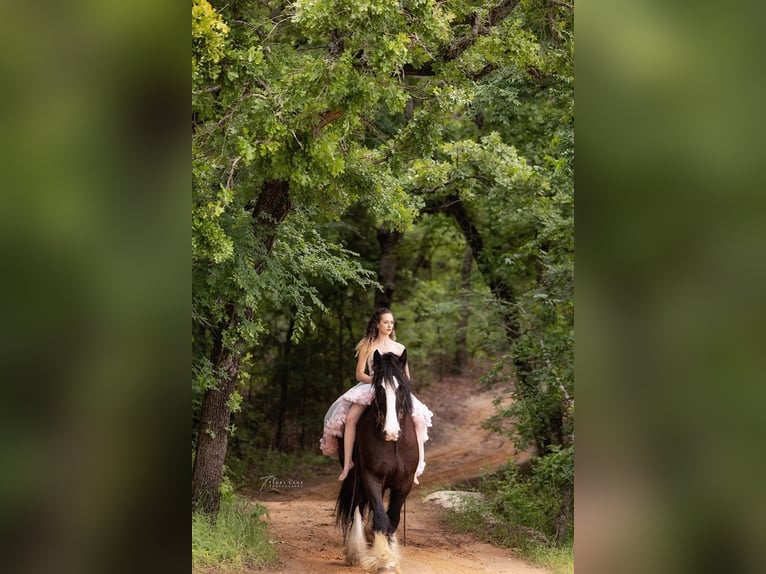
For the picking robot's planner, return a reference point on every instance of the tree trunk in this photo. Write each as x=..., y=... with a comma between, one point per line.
x=271, y=207
x=461, y=335
x=454, y=207
x=213, y=436
x=284, y=383
x=269, y=210
x=387, y=266
x=552, y=433
x=564, y=518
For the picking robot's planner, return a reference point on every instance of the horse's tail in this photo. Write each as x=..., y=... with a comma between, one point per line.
x=350, y=496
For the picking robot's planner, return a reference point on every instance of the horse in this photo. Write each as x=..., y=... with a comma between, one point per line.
x=385, y=457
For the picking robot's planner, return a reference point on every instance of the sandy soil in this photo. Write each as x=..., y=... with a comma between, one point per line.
x=303, y=525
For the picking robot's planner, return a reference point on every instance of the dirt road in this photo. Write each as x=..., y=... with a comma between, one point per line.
x=303, y=525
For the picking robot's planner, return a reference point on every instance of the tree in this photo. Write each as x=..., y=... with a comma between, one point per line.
x=304, y=110
x=506, y=180
x=274, y=153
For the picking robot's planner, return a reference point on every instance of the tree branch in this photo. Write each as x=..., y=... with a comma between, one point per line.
x=326, y=118
x=480, y=27
x=231, y=173
x=208, y=90
x=271, y=207
x=453, y=206
x=488, y=69
x=448, y=183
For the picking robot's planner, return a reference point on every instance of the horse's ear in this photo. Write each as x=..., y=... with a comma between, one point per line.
x=403, y=358
x=376, y=358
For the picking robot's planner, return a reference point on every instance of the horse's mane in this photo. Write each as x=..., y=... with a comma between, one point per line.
x=390, y=366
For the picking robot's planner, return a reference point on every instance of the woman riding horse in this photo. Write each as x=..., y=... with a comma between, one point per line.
x=385, y=458
x=342, y=416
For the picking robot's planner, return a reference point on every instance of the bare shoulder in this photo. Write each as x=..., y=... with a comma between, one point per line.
x=390, y=347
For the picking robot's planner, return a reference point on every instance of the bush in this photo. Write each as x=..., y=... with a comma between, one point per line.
x=248, y=466
x=235, y=539
x=525, y=510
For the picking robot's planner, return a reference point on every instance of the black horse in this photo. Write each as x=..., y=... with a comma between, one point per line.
x=385, y=457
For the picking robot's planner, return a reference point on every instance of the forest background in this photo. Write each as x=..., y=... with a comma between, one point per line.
x=351, y=155
x=96, y=282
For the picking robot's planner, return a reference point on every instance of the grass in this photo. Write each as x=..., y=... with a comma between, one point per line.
x=521, y=511
x=236, y=540
x=477, y=518
x=557, y=559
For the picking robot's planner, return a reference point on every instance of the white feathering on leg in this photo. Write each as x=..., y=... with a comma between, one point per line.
x=356, y=543
x=381, y=557
x=394, y=545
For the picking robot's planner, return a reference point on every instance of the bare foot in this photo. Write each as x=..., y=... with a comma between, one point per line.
x=344, y=474
x=419, y=471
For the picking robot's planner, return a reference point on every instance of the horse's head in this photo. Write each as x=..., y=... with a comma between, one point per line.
x=393, y=398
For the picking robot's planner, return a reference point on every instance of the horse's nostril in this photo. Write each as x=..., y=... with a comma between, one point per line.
x=392, y=436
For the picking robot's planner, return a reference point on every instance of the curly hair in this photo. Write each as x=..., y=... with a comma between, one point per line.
x=364, y=346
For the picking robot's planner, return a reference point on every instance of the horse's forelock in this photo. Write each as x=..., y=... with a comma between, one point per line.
x=389, y=370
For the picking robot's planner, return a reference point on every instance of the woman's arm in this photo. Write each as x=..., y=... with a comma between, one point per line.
x=360, y=374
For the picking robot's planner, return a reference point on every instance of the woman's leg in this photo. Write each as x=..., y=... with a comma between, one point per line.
x=349, y=435
x=420, y=431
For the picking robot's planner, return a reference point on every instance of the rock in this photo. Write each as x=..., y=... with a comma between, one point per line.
x=452, y=498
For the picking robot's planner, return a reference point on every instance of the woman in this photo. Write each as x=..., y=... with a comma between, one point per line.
x=345, y=411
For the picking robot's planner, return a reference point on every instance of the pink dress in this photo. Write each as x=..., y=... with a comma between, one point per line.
x=363, y=394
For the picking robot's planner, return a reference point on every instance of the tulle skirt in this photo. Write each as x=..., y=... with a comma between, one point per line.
x=362, y=394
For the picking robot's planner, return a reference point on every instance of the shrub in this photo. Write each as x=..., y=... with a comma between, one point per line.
x=235, y=539
x=524, y=510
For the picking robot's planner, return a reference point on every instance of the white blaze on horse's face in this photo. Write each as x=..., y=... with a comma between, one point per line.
x=391, y=429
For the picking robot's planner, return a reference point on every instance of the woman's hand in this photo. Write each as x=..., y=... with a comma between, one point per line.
x=360, y=374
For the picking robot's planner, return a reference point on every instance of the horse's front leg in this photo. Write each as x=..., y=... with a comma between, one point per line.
x=380, y=522
x=383, y=555
x=395, y=503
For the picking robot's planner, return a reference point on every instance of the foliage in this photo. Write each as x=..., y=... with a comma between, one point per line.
x=522, y=510
x=541, y=406
x=249, y=466
x=556, y=559
x=208, y=41
x=294, y=381
x=319, y=122
x=278, y=150
x=236, y=539
x=509, y=165
x=432, y=299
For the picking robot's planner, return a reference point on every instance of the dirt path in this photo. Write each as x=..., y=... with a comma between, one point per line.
x=303, y=525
